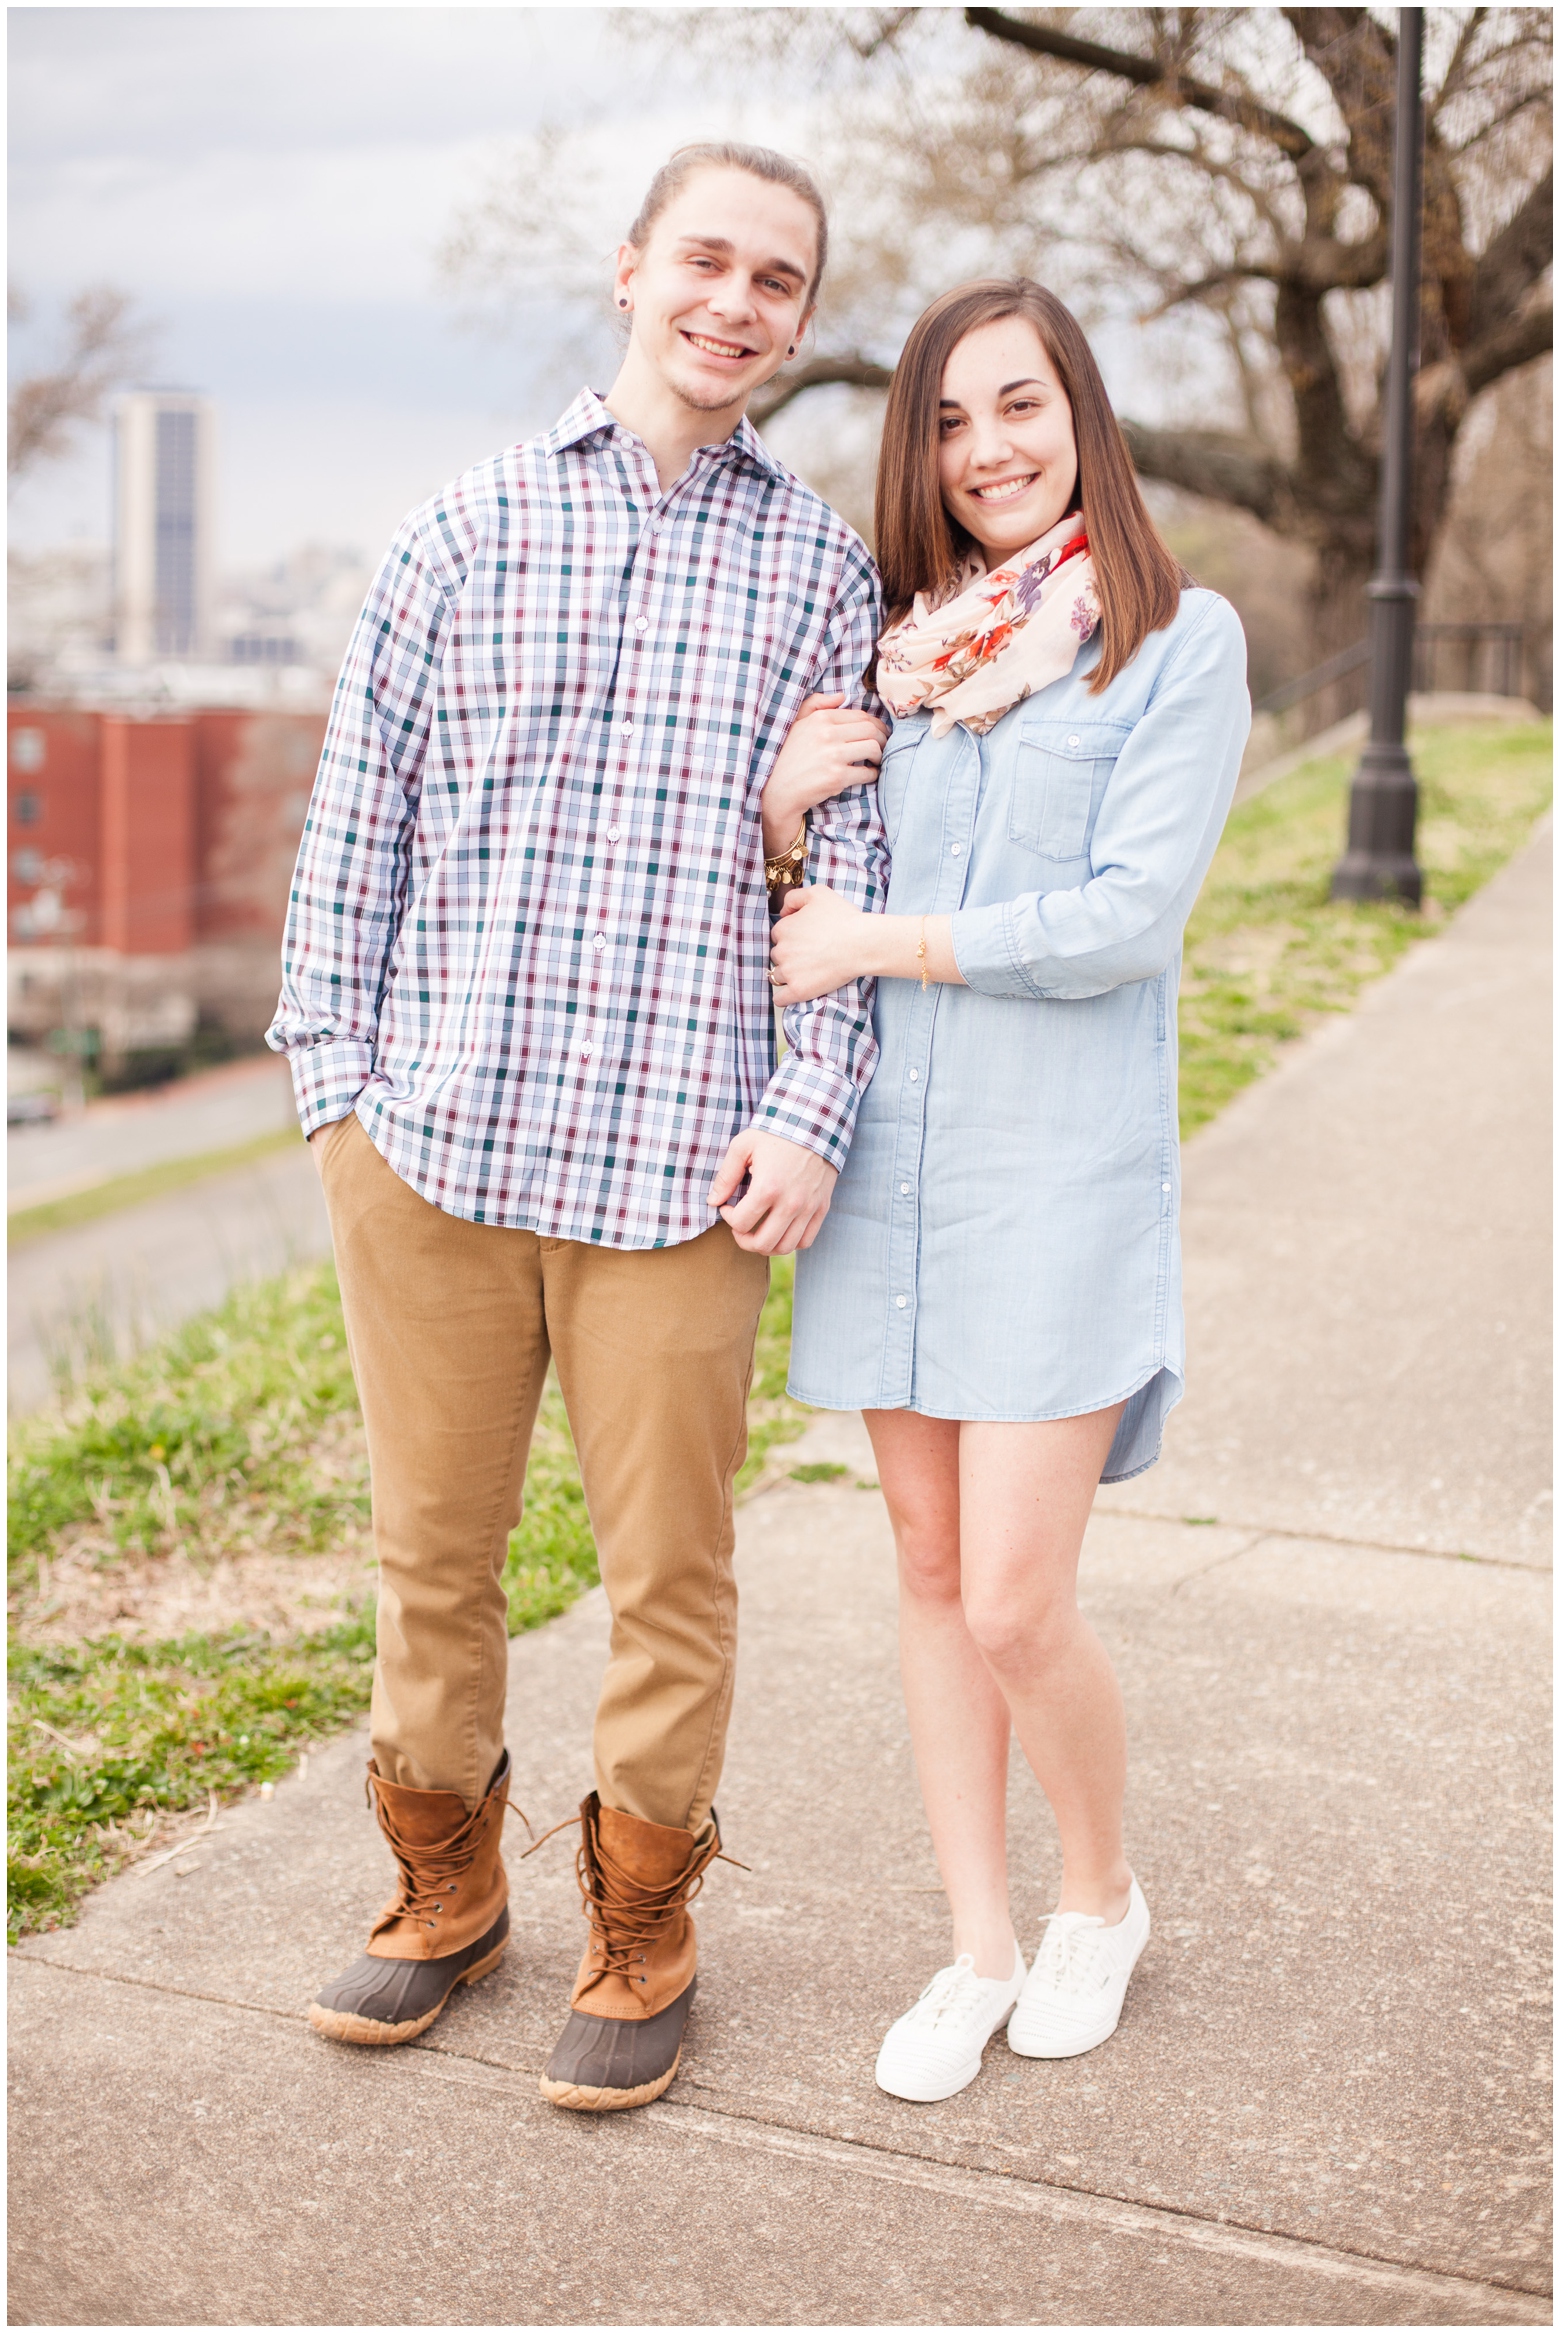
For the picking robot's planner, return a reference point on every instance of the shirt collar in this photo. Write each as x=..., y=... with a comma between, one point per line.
x=588, y=417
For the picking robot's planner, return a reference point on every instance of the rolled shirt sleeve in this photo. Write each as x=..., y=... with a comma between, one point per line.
x=349, y=887
x=814, y=1094
x=1158, y=826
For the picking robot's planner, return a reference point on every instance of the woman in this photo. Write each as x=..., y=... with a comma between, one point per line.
x=997, y=1282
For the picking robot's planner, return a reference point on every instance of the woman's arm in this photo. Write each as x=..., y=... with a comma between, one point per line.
x=822, y=943
x=1158, y=827
x=831, y=747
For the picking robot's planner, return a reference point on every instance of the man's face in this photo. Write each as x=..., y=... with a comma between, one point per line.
x=719, y=292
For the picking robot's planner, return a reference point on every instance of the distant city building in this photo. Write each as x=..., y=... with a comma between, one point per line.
x=163, y=526
x=150, y=862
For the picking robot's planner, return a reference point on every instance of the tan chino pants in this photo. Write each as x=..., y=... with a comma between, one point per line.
x=450, y=1326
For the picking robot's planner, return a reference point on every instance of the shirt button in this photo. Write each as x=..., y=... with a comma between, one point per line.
x=914, y=1074
x=1075, y=741
x=599, y=942
x=905, y=1187
x=1164, y=1186
x=612, y=834
x=901, y=1302
x=586, y=1050
x=954, y=851
x=641, y=623
x=628, y=729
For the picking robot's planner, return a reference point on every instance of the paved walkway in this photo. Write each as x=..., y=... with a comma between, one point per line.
x=125, y=1132
x=1326, y=2102
x=110, y=1285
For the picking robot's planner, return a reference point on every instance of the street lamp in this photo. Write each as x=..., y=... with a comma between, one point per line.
x=1379, y=862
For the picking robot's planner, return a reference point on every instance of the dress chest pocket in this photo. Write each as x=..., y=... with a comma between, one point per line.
x=1060, y=771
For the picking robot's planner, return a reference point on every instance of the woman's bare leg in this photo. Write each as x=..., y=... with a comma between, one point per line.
x=1025, y=1492
x=959, y=1723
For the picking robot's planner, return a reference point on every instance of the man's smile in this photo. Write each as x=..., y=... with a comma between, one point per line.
x=726, y=348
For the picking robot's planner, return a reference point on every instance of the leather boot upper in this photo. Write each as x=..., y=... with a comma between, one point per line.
x=638, y=1880
x=452, y=1883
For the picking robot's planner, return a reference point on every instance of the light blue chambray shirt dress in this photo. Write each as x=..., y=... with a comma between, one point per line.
x=1004, y=1239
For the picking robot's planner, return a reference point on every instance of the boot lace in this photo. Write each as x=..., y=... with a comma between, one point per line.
x=1072, y=1958
x=429, y=1873
x=626, y=1917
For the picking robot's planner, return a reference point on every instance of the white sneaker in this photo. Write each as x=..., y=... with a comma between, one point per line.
x=1072, y=1997
x=935, y=2048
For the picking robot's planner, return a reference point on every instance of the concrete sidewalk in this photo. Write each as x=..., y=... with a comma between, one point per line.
x=1326, y=2103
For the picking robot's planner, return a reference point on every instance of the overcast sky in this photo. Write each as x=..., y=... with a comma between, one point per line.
x=272, y=186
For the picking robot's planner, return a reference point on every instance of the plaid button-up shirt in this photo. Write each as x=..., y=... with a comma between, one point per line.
x=529, y=932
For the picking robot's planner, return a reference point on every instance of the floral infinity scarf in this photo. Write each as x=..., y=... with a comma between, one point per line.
x=1002, y=635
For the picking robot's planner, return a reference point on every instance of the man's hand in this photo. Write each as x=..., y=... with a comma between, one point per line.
x=787, y=1197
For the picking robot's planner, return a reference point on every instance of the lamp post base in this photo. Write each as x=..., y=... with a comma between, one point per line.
x=1383, y=807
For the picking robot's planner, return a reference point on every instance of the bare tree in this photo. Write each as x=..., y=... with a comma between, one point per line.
x=1222, y=173
x=1281, y=213
x=1233, y=167
x=105, y=346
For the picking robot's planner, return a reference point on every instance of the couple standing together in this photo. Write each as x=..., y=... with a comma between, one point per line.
x=610, y=700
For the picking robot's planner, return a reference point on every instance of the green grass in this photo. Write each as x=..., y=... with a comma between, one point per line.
x=241, y=1431
x=151, y=1729
x=153, y=1182
x=1267, y=952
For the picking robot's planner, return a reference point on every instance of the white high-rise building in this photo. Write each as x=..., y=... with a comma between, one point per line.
x=163, y=526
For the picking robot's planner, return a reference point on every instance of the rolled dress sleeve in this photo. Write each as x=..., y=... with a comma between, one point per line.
x=350, y=885
x=814, y=1094
x=1159, y=822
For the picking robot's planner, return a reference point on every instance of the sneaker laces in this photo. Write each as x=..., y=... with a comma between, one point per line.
x=954, y=1993
x=1071, y=1957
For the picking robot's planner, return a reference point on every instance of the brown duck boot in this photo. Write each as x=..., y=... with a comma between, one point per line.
x=631, y=1998
x=446, y=1925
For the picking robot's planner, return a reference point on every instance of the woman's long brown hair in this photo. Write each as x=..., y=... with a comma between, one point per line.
x=920, y=548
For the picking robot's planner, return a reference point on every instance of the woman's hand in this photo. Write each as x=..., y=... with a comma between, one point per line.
x=832, y=746
x=820, y=943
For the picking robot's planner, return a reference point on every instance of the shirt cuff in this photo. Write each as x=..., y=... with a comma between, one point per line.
x=812, y=1103
x=327, y=1080
x=985, y=948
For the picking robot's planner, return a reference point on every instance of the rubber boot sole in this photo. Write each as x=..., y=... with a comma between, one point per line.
x=608, y=2101
x=346, y=2025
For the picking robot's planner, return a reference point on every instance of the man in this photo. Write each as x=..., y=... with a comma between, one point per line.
x=527, y=1007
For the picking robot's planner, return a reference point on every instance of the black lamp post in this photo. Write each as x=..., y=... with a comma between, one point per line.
x=1379, y=862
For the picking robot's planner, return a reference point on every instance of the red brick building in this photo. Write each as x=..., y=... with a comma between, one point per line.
x=148, y=870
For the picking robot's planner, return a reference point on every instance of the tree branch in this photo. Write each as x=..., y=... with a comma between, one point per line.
x=1515, y=341
x=1232, y=105
x=1513, y=262
x=1215, y=463
x=819, y=372
x=106, y=344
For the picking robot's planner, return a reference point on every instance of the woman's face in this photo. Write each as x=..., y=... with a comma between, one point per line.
x=1007, y=458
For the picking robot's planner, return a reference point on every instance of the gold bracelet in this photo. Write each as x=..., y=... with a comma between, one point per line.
x=785, y=871
x=920, y=953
